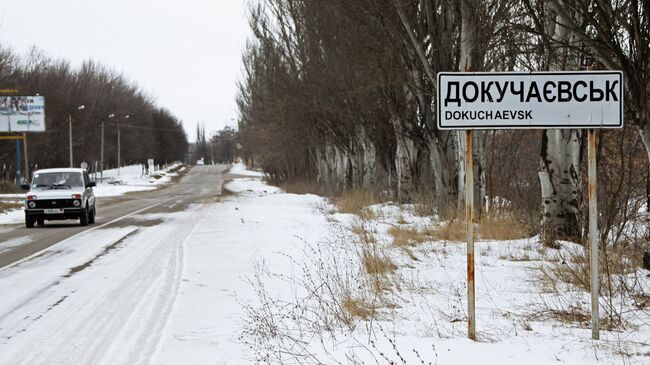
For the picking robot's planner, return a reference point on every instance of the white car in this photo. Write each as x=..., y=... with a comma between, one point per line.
x=57, y=194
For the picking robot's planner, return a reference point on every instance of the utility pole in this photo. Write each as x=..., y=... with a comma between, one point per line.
x=70, y=137
x=119, y=147
x=101, y=157
x=110, y=117
x=18, y=163
x=26, y=172
x=79, y=108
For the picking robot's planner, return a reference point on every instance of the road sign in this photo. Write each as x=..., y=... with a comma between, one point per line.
x=22, y=113
x=511, y=100
x=514, y=100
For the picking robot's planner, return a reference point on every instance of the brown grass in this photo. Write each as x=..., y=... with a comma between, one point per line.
x=490, y=228
x=354, y=202
x=376, y=263
x=6, y=206
x=502, y=228
x=365, y=236
x=356, y=308
x=8, y=187
x=454, y=231
x=303, y=187
x=404, y=236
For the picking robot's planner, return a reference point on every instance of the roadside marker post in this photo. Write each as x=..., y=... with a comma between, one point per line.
x=587, y=100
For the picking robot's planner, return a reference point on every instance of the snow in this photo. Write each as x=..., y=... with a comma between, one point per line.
x=132, y=178
x=181, y=291
x=222, y=251
x=250, y=187
x=12, y=216
x=241, y=170
x=166, y=294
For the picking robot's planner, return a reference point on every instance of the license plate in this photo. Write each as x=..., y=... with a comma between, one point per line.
x=53, y=211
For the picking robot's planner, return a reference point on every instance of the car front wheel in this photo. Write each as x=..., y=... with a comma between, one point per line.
x=29, y=221
x=91, y=217
x=83, y=219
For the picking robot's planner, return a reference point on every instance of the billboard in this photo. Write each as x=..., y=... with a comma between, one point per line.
x=510, y=100
x=22, y=113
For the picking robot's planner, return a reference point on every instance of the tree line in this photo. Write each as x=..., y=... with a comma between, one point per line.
x=146, y=129
x=342, y=93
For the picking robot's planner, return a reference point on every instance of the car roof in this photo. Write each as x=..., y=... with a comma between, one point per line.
x=63, y=169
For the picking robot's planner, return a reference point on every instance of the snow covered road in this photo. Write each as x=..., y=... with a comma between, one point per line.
x=103, y=295
x=162, y=286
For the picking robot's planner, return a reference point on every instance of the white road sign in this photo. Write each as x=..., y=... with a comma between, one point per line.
x=509, y=100
x=22, y=113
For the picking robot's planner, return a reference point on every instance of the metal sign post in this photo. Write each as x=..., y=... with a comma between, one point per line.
x=530, y=100
x=18, y=164
x=469, y=218
x=17, y=138
x=593, y=235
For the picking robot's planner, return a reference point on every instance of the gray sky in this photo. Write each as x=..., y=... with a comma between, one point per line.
x=186, y=54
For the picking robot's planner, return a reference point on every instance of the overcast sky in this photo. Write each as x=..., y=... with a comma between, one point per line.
x=186, y=54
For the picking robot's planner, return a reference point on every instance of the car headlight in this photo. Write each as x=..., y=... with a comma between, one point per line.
x=31, y=204
x=76, y=203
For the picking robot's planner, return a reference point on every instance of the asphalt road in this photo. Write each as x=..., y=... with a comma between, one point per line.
x=201, y=184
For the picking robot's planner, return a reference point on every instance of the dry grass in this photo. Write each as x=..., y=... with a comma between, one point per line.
x=8, y=187
x=502, y=228
x=404, y=236
x=516, y=258
x=353, y=308
x=354, y=202
x=303, y=187
x=490, y=228
x=7, y=206
x=454, y=231
x=365, y=236
x=376, y=263
x=570, y=315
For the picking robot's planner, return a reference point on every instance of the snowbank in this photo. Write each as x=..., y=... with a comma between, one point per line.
x=241, y=170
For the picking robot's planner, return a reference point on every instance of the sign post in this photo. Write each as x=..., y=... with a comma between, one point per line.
x=536, y=100
x=21, y=114
x=469, y=219
x=593, y=234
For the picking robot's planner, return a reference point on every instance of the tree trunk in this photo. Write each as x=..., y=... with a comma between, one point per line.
x=405, y=156
x=560, y=182
x=559, y=170
x=471, y=59
x=644, y=131
x=444, y=162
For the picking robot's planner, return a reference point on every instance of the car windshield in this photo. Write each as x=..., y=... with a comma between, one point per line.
x=57, y=180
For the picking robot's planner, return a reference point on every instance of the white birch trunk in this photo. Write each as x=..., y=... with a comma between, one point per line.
x=404, y=161
x=471, y=60
x=444, y=161
x=559, y=170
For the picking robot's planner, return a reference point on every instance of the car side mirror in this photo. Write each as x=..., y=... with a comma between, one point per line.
x=24, y=186
x=91, y=184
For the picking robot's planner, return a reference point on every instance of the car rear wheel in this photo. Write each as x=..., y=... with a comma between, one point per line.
x=83, y=219
x=29, y=221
